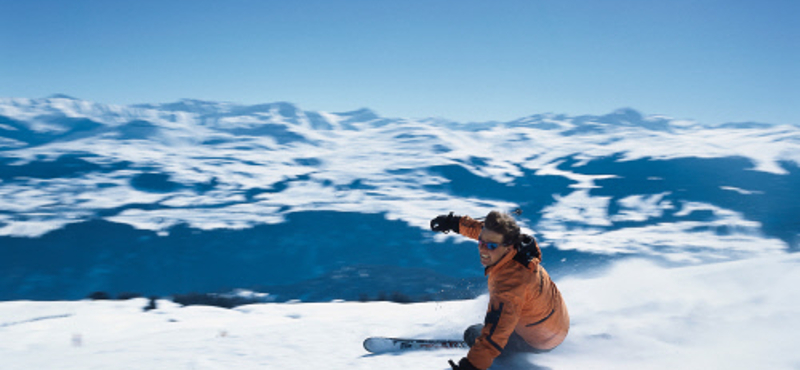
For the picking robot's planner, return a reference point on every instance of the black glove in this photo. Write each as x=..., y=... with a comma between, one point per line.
x=446, y=223
x=464, y=364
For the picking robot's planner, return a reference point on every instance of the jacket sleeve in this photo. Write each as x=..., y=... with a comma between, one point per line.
x=502, y=317
x=469, y=227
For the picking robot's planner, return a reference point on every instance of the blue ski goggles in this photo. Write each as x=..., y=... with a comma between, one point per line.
x=489, y=246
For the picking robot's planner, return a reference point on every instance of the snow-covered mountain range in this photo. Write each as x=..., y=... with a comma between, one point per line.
x=210, y=196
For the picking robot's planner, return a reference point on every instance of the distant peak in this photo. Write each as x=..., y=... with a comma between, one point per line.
x=632, y=117
x=61, y=96
x=196, y=101
x=361, y=114
x=629, y=113
x=187, y=105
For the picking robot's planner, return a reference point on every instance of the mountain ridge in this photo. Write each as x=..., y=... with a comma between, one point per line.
x=272, y=195
x=67, y=106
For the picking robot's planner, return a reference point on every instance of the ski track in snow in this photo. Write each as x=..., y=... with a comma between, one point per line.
x=732, y=315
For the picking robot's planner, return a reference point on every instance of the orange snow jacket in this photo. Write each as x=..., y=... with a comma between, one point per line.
x=522, y=299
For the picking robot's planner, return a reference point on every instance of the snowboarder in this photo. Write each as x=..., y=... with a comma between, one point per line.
x=526, y=312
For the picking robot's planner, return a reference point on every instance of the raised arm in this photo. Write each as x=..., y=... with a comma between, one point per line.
x=463, y=225
x=469, y=227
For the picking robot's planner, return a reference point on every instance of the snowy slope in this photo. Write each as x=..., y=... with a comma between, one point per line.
x=733, y=315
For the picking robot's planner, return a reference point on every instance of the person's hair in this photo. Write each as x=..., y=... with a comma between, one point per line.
x=503, y=223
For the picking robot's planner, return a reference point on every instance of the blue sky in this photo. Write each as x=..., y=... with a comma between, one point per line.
x=709, y=60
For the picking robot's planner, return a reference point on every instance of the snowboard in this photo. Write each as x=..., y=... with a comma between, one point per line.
x=383, y=345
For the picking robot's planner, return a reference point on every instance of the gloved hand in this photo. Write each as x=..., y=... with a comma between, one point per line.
x=464, y=364
x=445, y=223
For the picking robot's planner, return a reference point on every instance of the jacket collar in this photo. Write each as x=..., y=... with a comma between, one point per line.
x=506, y=259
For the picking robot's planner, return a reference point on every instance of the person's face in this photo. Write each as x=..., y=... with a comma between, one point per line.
x=489, y=257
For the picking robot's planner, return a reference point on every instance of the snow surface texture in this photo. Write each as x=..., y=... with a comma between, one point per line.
x=733, y=315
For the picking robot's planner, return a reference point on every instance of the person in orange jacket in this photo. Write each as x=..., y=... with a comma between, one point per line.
x=526, y=312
